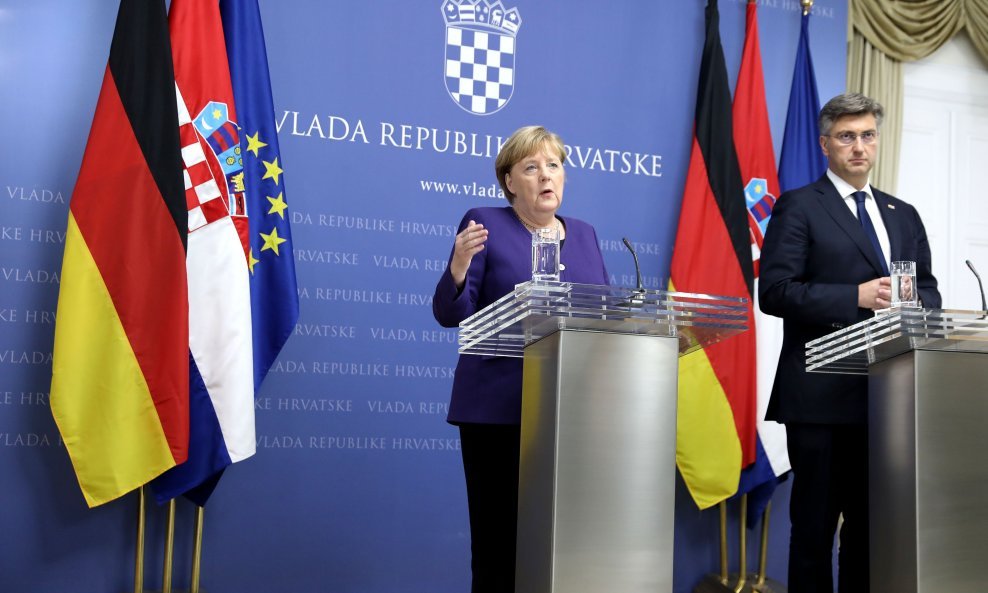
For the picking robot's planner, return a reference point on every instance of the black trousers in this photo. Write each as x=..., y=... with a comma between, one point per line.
x=830, y=478
x=490, y=463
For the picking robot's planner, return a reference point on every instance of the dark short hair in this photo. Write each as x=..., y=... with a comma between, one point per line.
x=848, y=104
x=522, y=144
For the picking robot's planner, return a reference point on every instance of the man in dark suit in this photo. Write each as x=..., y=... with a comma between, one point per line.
x=824, y=265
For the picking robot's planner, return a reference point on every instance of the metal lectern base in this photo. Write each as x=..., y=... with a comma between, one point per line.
x=712, y=584
x=596, y=489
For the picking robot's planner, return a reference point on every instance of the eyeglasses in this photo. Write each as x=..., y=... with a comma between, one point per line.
x=849, y=138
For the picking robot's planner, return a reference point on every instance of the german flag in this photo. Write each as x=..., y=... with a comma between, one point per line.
x=712, y=255
x=120, y=377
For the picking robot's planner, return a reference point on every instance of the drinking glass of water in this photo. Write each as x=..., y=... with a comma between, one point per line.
x=545, y=254
x=903, y=276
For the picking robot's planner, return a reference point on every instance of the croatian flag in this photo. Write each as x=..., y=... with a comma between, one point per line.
x=221, y=365
x=756, y=158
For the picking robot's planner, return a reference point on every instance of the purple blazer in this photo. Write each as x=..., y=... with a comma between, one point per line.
x=487, y=389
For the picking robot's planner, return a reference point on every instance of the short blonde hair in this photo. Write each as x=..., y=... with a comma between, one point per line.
x=522, y=144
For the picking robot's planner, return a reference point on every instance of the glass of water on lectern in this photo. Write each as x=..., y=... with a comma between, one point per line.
x=903, y=276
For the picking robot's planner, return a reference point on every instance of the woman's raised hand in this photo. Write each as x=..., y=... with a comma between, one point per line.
x=468, y=243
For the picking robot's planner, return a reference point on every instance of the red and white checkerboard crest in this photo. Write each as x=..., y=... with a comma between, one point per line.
x=214, y=187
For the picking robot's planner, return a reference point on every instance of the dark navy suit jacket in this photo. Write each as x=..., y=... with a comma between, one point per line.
x=487, y=389
x=814, y=257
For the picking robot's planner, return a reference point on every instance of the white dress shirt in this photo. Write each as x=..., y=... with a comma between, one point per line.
x=846, y=191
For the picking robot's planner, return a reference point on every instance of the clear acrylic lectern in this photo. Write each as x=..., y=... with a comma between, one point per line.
x=927, y=441
x=598, y=435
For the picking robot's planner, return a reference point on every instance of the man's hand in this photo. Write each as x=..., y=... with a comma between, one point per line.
x=875, y=294
x=906, y=288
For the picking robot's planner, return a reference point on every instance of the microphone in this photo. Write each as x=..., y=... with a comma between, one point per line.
x=980, y=286
x=640, y=291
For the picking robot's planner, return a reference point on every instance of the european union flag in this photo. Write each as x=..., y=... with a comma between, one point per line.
x=273, y=288
x=801, y=161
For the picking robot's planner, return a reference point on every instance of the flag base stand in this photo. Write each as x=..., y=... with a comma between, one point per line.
x=167, y=563
x=712, y=583
x=769, y=586
x=742, y=582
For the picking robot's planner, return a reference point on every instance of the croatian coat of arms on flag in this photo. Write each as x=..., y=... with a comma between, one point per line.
x=760, y=203
x=480, y=54
x=209, y=199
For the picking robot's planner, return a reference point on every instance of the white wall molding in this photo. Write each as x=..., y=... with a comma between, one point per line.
x=943, y=168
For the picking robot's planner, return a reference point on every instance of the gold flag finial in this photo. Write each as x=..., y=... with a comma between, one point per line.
x=807, y=5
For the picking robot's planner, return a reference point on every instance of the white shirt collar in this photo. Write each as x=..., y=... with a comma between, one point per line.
x=845, y=189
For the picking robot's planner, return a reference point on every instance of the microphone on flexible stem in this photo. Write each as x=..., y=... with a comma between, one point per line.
x=980, y=286
x=638, y=297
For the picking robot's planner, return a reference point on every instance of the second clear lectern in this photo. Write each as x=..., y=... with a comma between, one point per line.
x=598, y=435
x=927, y=443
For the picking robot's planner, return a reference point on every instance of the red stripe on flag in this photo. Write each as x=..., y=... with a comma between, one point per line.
x=132, y=236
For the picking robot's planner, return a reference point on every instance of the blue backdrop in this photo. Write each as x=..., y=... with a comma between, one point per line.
x=357, y=485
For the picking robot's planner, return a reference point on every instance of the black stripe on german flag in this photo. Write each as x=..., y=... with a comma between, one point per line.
x=714, y=134
x=141, y=64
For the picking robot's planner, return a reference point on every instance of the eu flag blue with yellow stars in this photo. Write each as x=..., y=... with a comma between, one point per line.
x=273, y=288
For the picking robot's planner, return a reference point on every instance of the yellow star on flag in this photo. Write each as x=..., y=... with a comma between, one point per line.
x=254, y=144
x=217, y=113
x=251, y=260
x=272, y=170
x=278, y=205
x=272, y=241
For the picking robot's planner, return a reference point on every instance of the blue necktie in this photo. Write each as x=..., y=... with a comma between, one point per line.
x=869, y=228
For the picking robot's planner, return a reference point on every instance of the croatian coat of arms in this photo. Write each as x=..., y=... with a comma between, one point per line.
x=480, y=54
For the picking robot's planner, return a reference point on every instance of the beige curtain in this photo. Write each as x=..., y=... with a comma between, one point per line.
x=884, y=33
x=872, y=72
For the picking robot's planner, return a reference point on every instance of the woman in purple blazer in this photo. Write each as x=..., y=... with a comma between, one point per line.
x=491, y=254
